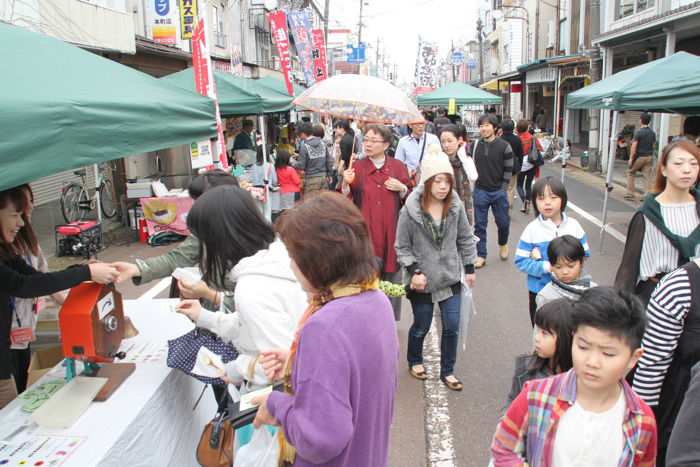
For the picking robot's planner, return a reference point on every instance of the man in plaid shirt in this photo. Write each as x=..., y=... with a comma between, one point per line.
x=588, y=416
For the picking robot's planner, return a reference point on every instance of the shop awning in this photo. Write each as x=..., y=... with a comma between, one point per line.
x=462, y=93
x=237, y=96
x=670, y=84
x=493, y=85
x=62, y=107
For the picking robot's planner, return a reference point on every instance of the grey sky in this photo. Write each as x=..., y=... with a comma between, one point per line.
x=398, y=23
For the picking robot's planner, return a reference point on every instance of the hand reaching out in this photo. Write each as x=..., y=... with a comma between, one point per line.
x=273, y=363
x=190, y=308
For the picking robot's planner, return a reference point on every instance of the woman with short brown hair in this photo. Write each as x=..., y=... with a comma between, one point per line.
x=340, y=374
x=665, y=232
x=378, y=184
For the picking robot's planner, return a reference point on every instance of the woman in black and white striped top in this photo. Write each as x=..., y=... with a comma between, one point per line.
x=671, y=347
x=665, y=232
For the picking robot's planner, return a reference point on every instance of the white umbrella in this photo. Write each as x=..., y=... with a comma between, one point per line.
x=360, y=97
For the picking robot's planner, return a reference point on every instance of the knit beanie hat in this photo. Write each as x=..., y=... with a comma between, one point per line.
x=434, y=162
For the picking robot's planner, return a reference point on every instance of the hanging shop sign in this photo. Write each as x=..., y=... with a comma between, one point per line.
x=278, y=27
x=188, y=16
x=541, y=75
x=426, y=67
x=300, y=27
x=162, y=21
x=319, y=55
x=205, y=85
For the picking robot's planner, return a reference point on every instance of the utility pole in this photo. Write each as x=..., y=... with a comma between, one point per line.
x=558, y=20
x=377, y=59
x=326, y=14
x=479, y=29
x=359, y=31
x=452, y=51
x=537, y=31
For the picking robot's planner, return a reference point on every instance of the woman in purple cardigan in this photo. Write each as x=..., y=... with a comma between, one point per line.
x=341, y=372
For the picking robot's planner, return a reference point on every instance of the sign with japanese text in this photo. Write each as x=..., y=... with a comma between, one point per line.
x=426, y=67
x=278, y=28
x=205, y=85
x=162, y=21
x=300, y=24
x=188, y=16
x=319, y=54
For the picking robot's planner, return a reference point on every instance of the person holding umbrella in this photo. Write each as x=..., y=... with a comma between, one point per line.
x=377, y=184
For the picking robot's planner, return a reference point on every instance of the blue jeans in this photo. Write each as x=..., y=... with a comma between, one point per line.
x=422, y=317
x=498, y=202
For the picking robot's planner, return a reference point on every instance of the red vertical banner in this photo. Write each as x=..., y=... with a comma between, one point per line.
x=319, y=54
x=205, y=85
x=278, y=26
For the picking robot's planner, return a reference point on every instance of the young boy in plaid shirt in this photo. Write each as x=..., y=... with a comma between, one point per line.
x=588, y=416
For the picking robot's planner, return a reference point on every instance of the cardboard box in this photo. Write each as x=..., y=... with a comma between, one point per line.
x=42, y=361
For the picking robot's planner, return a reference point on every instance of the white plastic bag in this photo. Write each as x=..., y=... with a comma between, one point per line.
x=466, y=312
x=262, y=451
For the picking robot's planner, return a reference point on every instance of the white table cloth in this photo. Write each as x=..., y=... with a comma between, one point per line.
x=149, y=420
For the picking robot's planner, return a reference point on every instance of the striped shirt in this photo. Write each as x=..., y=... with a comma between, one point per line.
x=659, y=256
x=668, y=307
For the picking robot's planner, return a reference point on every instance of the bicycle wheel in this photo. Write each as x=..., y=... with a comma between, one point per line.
x=107, y=202
x=72, y=197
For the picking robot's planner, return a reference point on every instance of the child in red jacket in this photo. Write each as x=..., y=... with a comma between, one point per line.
x=288, y=181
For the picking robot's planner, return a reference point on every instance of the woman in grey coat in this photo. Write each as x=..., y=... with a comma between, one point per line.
x=436, y=245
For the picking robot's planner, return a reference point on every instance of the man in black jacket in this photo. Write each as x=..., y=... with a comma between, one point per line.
x=517, y=146
x=493, y=158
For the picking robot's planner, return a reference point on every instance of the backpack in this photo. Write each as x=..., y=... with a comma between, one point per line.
x=534, y=156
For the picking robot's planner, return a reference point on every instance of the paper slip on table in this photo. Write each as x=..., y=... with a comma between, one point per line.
x=149, y=420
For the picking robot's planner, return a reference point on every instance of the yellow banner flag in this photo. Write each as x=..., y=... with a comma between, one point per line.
x=452, y=106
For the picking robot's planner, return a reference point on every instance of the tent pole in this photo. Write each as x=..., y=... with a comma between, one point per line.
x=263, y=134
x=96, y=168
x=609, y=177
x=565, y=153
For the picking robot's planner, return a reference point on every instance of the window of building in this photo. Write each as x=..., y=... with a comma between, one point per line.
x=263, y=41
x=624, y=8
x=219, y=36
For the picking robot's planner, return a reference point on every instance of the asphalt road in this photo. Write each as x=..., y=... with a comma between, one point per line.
x=499, y=331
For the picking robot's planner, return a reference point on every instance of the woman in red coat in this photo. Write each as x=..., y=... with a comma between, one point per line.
x=378, y=185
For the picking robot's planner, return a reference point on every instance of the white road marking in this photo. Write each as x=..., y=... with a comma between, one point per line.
x=438, y=427
x=591, y=218
x=156, y=289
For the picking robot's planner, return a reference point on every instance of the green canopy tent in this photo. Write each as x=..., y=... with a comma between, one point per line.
x=667, y=85
x=237, y=96
x=62, y=107
x=279, y=85
x=462, y=93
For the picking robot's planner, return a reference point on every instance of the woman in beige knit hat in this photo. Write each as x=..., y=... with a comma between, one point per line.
x=436, y=245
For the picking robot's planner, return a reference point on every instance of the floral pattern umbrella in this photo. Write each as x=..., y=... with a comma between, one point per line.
x=360, y=97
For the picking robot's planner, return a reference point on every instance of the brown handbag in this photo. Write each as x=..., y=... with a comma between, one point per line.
x=215, y=448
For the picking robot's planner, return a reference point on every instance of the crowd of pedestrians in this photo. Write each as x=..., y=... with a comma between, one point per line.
x=293, y=286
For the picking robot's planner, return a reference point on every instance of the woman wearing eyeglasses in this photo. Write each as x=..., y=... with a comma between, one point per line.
x=377, y=185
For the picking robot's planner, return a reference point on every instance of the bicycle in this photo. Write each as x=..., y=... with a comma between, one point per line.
x=77, y=202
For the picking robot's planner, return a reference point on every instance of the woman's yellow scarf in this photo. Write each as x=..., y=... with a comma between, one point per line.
x=287, y=451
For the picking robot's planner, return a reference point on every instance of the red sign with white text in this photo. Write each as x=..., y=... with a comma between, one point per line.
x=205, y=85
x=319, y=54
x=278, y=27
